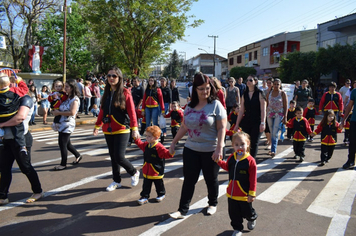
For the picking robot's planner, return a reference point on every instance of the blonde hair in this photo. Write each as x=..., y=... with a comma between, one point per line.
x=242, y=135
x=4, y=80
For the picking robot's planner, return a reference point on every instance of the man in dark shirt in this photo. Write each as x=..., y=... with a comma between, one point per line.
x=241, y=86
x=303, y=94
x=137, y=92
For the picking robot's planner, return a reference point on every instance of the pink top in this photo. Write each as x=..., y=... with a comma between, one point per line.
x=275, y=105
x=87, y=92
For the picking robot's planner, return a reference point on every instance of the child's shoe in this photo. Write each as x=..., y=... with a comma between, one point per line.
x=237, y=233
x=251, y=224
x=160, y=198
x=142, y=201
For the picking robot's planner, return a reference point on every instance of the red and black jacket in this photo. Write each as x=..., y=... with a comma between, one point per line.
x=242, y=176
x=301, y=128
x=347, y=123
x=154, y=159
x=56, y=103
x=232, y=119
x=290, y=114
x=328, y=133
x=120, y=120
x=221, y=97
x=309, y=114
x=331, y=101
x=176, y=117
x=153, y=98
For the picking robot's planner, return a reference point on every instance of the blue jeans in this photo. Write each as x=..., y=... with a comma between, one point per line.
x=166, y=111
x=152, y=115
x=273, y=127
x=34, y=113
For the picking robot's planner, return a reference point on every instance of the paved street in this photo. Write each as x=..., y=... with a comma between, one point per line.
x=293, y=198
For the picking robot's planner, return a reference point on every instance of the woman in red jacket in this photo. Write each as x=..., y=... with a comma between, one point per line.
x=152, y=102
x=116, y=117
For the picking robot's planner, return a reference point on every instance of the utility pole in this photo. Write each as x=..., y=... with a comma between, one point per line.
x=214, y=36
x=64, y=41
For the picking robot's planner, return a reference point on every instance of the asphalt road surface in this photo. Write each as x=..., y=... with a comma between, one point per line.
x=293, y=198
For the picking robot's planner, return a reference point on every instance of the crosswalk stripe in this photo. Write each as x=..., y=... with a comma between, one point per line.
x=340, y=220
x=72, y=138
x=287, y=183
x=55, y=136
x=49, y=132
x=330, y=198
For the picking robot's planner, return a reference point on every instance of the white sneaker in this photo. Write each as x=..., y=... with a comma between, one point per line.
x=135, y=178
x=237, y=233
x=176, y=215
x=160, y=198
x=211, y=210
x=251, y=224
x=142, y=201
x=113, y=186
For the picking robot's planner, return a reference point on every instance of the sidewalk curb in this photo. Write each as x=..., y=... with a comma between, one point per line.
x=83, y=122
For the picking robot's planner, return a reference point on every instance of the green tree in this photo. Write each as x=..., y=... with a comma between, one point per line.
x=138, y=31
x=242, y=71
x=174, y=67
x=79, y=38
x=299, y=66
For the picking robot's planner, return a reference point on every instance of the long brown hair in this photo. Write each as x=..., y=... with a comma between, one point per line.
x=119, y=97
x=324, y=121
x=199, y=79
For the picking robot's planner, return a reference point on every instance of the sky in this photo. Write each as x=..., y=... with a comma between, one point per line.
x=238, y=23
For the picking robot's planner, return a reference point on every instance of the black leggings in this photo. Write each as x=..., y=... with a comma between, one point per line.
x=117, y=144
x=193, y=163
x=254, y=131
x=8, y=154
x=65, y=145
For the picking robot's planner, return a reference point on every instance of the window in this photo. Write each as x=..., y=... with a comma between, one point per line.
x=255, y=55
x=239, y=59
x=265, y=51
x=231, y=61
x=351, y=39
x=293, y=47
x=327, y=43
x=250, y=56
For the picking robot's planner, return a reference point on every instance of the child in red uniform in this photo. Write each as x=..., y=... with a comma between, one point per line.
x=290, y=116
x=329, y=129
x=241, y=191
x=309, y=114
x=56, y=98
x=176, y=117
x=301, y=129
x=154, y=155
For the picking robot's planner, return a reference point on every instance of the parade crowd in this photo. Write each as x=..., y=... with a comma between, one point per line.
x=123, y=106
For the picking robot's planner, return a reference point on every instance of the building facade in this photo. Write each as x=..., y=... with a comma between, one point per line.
x=247, y=56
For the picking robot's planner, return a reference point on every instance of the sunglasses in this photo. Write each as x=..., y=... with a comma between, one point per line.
x=250, y=80
x=113, y=75
x=203, y=89
x=231, y=81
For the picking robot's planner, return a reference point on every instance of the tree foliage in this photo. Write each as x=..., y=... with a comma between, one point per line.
x=243, y=72
x=20, y=20
x=138, y=31
x=299, y=66
x=79, y=41
x=174, y=67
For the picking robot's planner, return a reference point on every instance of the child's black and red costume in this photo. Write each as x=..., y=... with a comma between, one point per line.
x=56, y=102
x=301, y=129
x=328, y=139
x=309, y=114
x=331, y=101
x=176, y=120
x=153, y=167
x=242, y=183
x=290, y=116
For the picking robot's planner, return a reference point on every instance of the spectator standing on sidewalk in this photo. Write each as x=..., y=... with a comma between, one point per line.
x=116, y=117
x=87, y=97
x=43, y=98
x=241, y=86
x=343, y=90
x=81, y=94
x=33, y=95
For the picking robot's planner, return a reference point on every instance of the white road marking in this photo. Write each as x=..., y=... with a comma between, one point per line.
x=287, y=183
x=330, y=198
x=340, y=220
x=73, y=138
x=55, y=137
